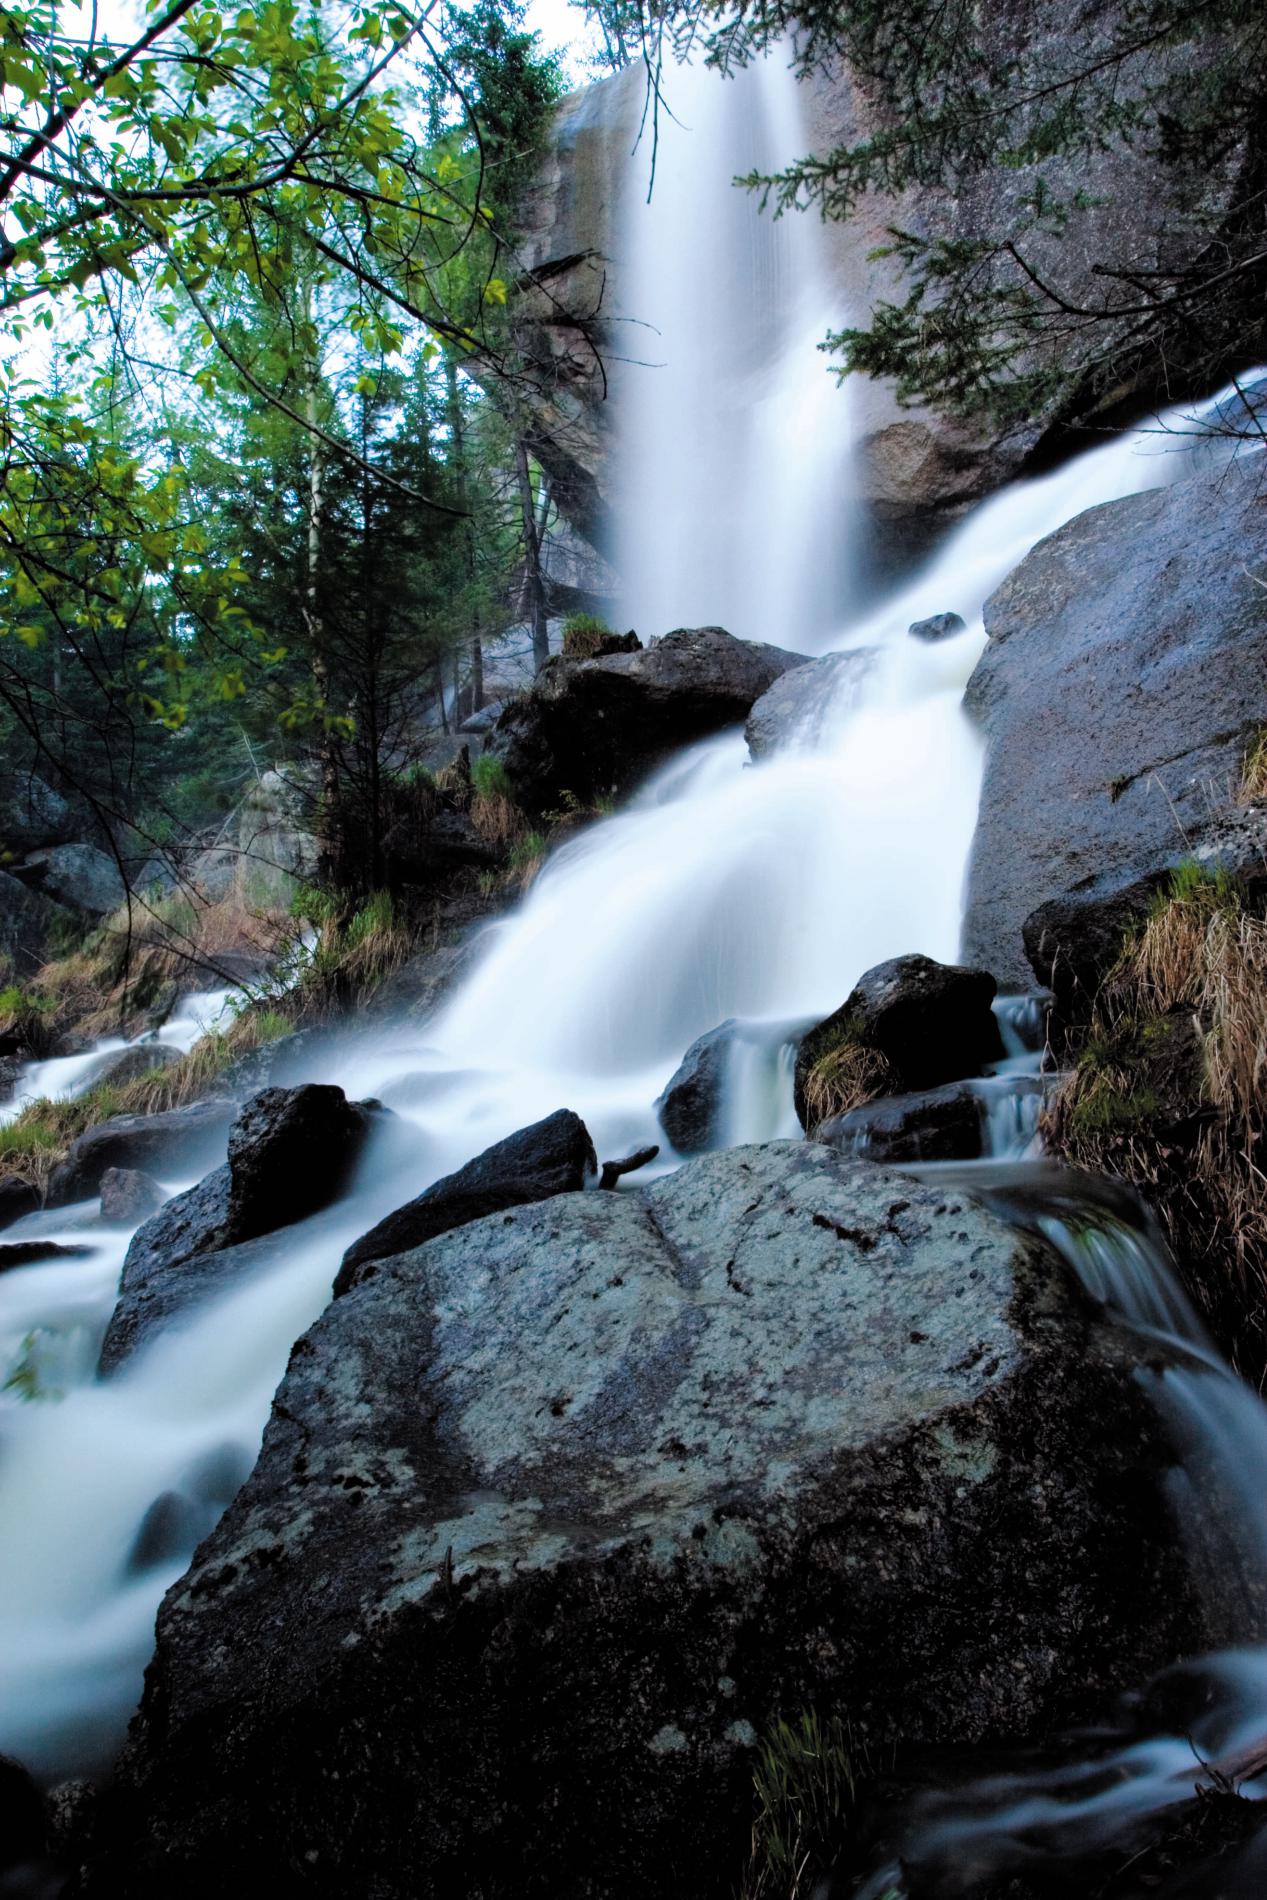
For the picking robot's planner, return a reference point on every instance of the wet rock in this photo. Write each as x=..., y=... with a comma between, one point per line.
x=196, y=1221
x=71, y=1811
x=553, y=1156
x=690, y=1108
x=30, y=1253
x=169, y=1530
x=932, y=1022
x=933, y=1125
x=1119, y=692
x=1073, y=941
x=157, y=1293
x=291, y=1152
x=589, y=727
x=175, y=1142
x=938, y=627
x=556, y=1513
x=81, y=876
x=805, y=702
x=128, y=1196
x=16, y=1199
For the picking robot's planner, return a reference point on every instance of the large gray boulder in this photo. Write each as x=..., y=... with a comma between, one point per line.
x=802, y=705
x=82, y=876
x=557, y=1512
x=1125, y=677
x=594, y=726
x=32, y=813
x=26, y=922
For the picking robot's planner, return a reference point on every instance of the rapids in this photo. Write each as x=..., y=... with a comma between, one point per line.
x=723, y=889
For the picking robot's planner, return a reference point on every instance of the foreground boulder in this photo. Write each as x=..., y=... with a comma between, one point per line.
x=590, y=727
x=291, y=1152
x=803, y=704
x=691, y=1106
x=1124, y=681
x=554, y=1156
x=930, y=1022
x=556, y=1513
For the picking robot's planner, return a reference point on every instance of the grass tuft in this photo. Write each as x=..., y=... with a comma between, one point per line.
x=805, y=1791
x=843, y=1078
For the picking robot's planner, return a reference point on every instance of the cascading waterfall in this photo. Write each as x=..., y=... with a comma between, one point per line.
x=723, y=890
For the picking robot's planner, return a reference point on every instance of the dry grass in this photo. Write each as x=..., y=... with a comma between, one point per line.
x=33, y=1144
x=497, y=819
x=1196, y=971
x=1253, y=786
x=354, y=956
x=842, y=1079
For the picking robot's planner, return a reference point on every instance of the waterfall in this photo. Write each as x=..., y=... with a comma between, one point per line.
x=723, y=889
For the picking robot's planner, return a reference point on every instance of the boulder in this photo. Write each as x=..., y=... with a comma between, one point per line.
x=931, y=1125
x=554, y=1156
x=137, y=1060
x=22, y=1831
x=129, y=1197
x=17, y=1197
x=178, y=1141
x=81, y=876
x=277, y=846
x=690, y=1108
x=590, y=727
x=27, y=918
x=938, y=627
x=805, y=702
x=158, y=1290
x=1124, y=680
x=32, y=813
x=557, y=1513
x=932, y=1022
x=291, y=1152
x=194, y=1222
x=484, y=720
x=32, y=1253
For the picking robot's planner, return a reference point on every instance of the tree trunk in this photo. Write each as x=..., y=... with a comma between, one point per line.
x=534, y=581
x=454, y=396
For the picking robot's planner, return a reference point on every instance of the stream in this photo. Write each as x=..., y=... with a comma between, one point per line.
x=723, y=889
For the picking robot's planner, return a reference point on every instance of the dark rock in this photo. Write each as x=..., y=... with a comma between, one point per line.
x=484, y=720
x=554, y=1156
x=175, y=1142
x=421, y=853
x=291, y=1152
x=805, y=701
x=27, y=919
x=938, y=627
x=934, y=1125
x=129, y=1197
x=81, y=876
x=593, y=644
x=71, y=1811
x=32, y=813
x=556, y=1513
x=932, y=1022
x=690, y=1108
x=194, y=1222
x=1122, y=685
x=21, y=1817
x=17, y=1198
x=157, y=1292
x=1073, y=941
x=169, y=1530
x=29, y=1253
x=589, y=727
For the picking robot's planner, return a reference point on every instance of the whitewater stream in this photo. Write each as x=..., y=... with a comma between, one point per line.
x=724, y=889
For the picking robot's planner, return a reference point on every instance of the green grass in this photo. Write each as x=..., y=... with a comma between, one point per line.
x=489, y=778
x=805, y=1790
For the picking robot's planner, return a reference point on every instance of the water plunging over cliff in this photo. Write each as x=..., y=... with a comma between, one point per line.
x=725, y=889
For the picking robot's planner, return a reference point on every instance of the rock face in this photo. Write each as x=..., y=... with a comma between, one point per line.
x=79, y=875
x=594, y=726
x=1126, y=676
x=932, y=1022
x=556, y=1513
x=915, y=469
x=803, y=703
x=175, y=1142
x=554, y=1156
x=32, y=813
x=276, y=836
